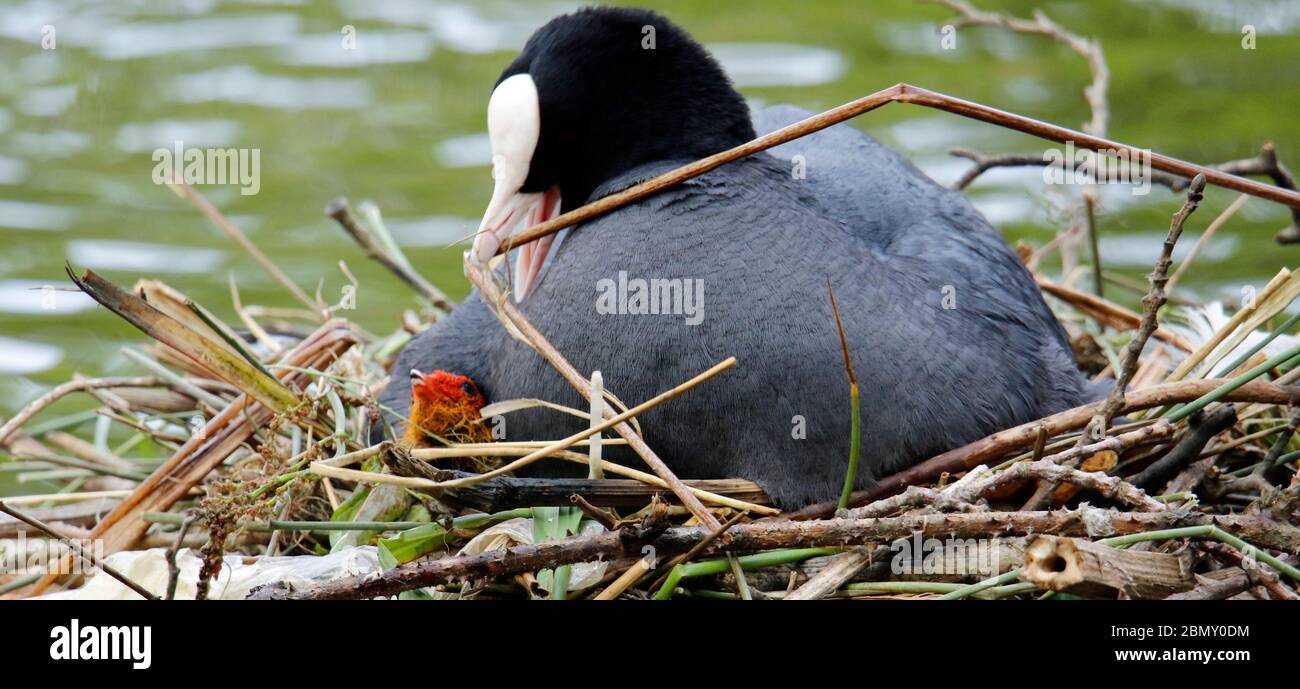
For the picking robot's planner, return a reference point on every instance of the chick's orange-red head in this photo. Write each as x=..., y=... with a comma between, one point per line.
x=445, y=405
x=441, y=387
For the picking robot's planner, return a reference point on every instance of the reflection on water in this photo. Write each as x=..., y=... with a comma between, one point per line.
x=141, y=257
x=1142, y=249
x=244, y=84
x=462, y=27
x=385, y=101
x=47, y=101
x=144, y=137
x=778, y=64
x=1267, y=16
x=471, y=150
x=33, y=297
x=26, y=215
x=152, y=39
x=18, y=357
x=372, y=48
x=436, y=231
x=12, y=170
x=55, y=143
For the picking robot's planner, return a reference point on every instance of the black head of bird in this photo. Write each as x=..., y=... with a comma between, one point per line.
x=595, y=94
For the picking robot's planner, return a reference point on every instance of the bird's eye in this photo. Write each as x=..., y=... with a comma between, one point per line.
x=468, y=388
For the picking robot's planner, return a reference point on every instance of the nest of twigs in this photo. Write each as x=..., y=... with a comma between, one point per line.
x=1181, y=483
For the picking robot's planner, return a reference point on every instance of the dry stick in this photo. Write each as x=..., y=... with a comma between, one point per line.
x=1151, y=303
x=173, y=567
x=1090, y=224
x=1132, y=354
x=1266, y=163
x=1089, y=50
x=35, y=406
x=1203, y=429
x=67, y=497
x=1086, y=568
x=88, y=452
x=76, y=548
x=1283, y=437
x=597, y=514
x=915, y=496
x=342, y=213
x=1095, y=94
x=661, y=574
x=1107, y=312
x=492, y=295
x=1051, y=132
x=985, y=162
x=597, y=408
x=899, y=93
x=1215, y=589
x=1255, y=571
x=1040, y=443
x=75, y=516
x=1110, y=486
x=247, y=318
x=544, y=452
x=719, y=498
x=770, y=534
x=738, y=574
x=1115, y=443
x=625, y=580
x=1021, y=438
x=855, y=411
x=839, y=570
x=223, y=223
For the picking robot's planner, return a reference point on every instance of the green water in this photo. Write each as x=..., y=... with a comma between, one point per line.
x=398, y=120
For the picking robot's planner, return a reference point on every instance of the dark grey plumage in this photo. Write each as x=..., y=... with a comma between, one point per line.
x=893, y=243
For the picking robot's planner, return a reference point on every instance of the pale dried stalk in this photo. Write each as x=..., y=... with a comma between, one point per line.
x=510, y=316
x=1204, y=239
x=564, y=443
x=1199, y=355
x=501, y=449
x=597, y=398
x=625, y=580
x=511, y=449
x=1108, y=313
x=35, y=406
x=223, y=223
x=839, y=570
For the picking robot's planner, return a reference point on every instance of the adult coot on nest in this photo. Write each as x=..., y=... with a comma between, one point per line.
x=949, y=335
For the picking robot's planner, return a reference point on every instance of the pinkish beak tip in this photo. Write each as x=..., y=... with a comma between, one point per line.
x=485, y=246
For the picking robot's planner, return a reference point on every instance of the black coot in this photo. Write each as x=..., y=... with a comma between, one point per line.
x=950, y=338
